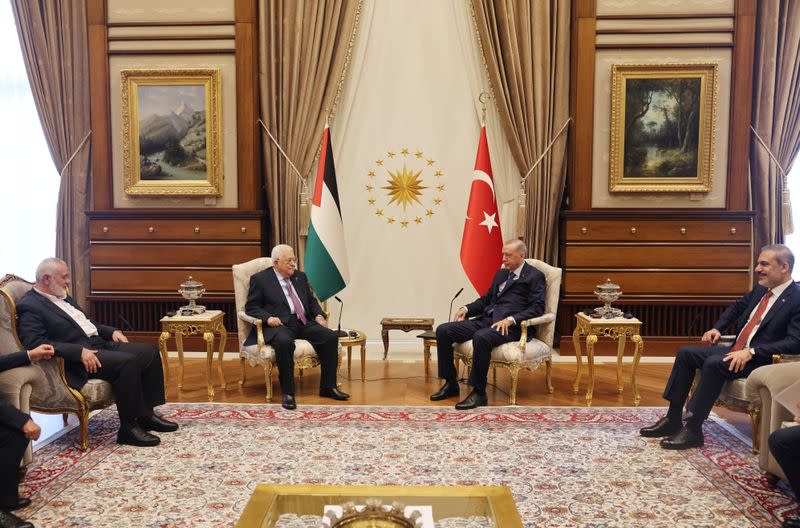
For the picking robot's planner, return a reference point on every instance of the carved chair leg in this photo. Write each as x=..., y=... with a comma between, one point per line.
x=549, y=375
x=494, y=375
x=242, y=372
x=83, y=428
x=268, y=380
x=514, y=378
x=65, y=418
x=755, y=423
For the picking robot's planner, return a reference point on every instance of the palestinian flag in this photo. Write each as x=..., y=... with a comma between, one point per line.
x=326, y=257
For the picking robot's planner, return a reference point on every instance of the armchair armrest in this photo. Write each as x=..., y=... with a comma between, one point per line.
x=535, y=321
x=253, y=321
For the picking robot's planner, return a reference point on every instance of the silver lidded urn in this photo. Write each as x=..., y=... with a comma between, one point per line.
x=608, y=292
x=191, y=290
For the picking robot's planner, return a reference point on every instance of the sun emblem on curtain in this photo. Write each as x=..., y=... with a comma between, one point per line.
x=404, y=188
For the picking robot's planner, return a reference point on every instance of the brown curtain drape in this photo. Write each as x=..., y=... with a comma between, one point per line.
x=53, y=36
x=304, y=50
x=776, y=115
x=526, y=49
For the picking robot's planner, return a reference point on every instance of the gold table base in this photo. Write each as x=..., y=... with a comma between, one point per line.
x=207, y=323
x=350, y=342
x=618, y=328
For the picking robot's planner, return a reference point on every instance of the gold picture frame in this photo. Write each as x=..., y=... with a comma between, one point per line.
x=171, y=132
x=663, y=127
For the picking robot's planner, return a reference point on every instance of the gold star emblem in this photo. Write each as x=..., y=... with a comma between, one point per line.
x=404, y=223
x=371, y=174
x=371, y=201
x=390, y=220
x=368, y=187
x=404, y=151
x=438, y=173
x=379, y=212
x=430, y=162
x=379, y=162
x=440, y=187
x=418, y=219
x=429, y=212
x=418, y=154
x=437, y=201
x=390, y=154
x=405, y=187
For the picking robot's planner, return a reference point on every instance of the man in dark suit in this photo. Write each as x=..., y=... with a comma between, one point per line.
x=769, y=316
x=516, y=294
x=785, y=447
x=92, y=350
x=281, y=297
x=16, y=430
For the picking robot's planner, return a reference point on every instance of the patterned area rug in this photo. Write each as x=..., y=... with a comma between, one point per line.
x=565, y=466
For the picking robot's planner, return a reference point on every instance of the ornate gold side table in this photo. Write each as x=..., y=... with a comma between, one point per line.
x=618, y=328
x=406, y=324
x=208, y=323
x=350, y=342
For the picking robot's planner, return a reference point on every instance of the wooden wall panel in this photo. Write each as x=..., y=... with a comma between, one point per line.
x=680, y=282
x=657, y=256
x=183, y=230
x=741, y=105
x=120, y=254
x=140, y=280
x=247, y=105
x=579, y=179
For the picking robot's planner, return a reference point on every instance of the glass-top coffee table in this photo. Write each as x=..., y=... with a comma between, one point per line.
x=452, y=506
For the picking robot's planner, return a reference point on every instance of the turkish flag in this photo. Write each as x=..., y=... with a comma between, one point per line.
x=482, y=243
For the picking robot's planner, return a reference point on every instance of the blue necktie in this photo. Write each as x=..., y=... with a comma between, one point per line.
x=508, y=282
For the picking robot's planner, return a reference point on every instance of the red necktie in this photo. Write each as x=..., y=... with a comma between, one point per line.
x=298, y=306
x=744, y=335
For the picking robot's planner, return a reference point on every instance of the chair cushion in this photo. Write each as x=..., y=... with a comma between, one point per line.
x=734, y=396
x=535, y=350
x=97, y=391
x=266, y=353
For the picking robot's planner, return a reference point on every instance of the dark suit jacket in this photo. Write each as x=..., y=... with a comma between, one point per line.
x=9, y=415
x=523, y=299
x=40, y=321
x=265, y=299
x=779, y=331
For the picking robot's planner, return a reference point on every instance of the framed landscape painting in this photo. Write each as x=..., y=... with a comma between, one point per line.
x=663, y=119
x=171, y=132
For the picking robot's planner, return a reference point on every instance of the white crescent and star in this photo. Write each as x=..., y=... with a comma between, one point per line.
x=489, y=220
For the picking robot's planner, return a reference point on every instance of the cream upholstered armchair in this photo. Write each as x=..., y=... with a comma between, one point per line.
x=16, y=384
x=760, y=389
x=261, y=353
x=524, y=354
x=52, y=395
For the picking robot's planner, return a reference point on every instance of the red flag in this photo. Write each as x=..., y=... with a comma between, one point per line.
x=482, y=243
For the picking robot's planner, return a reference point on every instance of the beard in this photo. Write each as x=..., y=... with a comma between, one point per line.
x=58, y=291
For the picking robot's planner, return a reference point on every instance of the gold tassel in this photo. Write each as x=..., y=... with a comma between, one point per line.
x=521, y=210
x=788, y=225
x=304, y=213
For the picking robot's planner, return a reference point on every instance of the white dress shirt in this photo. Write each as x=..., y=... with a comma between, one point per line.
x=776, y=292
x=76, y=315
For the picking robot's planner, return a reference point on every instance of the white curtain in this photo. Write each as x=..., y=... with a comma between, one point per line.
x=29, y=179
x=415, y=77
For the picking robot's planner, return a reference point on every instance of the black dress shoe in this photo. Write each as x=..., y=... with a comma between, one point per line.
x=288, y=402
x=683, y=439
x=475, y=399
x=136, y=436
x=663, y=427
x=334, y=393
x=22, y=502
x=450, y=388
x=9, y=520
x=791, y=522
x=157, y=423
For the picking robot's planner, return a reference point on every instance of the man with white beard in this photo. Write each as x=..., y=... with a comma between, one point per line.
x=47, y=315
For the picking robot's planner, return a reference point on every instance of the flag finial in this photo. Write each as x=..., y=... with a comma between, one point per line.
x=483, y=97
